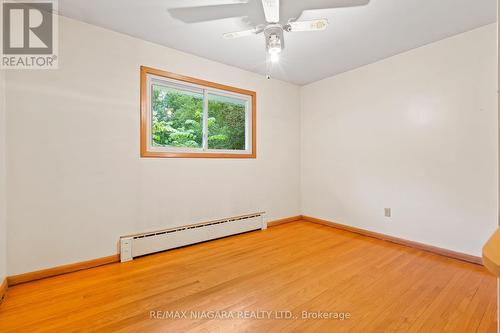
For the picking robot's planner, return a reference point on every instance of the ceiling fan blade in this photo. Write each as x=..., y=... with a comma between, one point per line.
x=295, y=9
x=244, y=33
x=311, y=25
x=324, y=4
x=271, y=10
x=209, y=13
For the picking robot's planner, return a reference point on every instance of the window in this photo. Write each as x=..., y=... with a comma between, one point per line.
x=187, y=117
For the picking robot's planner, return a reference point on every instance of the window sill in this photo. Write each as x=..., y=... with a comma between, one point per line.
x=150, y=154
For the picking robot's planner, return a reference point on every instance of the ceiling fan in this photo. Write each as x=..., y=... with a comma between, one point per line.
x=273, y=30
x=271, y=24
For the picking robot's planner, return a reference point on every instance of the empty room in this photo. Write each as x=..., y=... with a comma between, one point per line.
x=249, y=166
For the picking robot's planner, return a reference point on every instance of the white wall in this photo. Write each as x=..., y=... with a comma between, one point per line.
x=76, y=182
x=3, y=214
x=417, y=133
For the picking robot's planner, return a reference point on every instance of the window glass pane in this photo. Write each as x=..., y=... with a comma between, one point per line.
x=226, y=122
x=177, y=118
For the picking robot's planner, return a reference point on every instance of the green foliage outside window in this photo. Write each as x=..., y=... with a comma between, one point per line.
x=226, y=123
x=177, y=120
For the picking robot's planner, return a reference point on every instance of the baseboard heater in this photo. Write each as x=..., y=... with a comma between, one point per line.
x=146, y=243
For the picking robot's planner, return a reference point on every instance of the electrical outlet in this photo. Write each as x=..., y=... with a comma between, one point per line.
x=387, y=212
x=125, y=249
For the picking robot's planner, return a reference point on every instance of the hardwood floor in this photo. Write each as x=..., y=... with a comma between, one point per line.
x=292, y=267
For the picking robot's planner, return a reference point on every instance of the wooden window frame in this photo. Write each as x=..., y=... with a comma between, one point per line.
x=145, y=152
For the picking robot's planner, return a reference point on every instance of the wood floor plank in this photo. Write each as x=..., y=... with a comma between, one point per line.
x=295, y=267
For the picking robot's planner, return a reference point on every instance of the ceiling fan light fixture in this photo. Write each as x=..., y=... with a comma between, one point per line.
x=274, y=44
x=274, y=47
